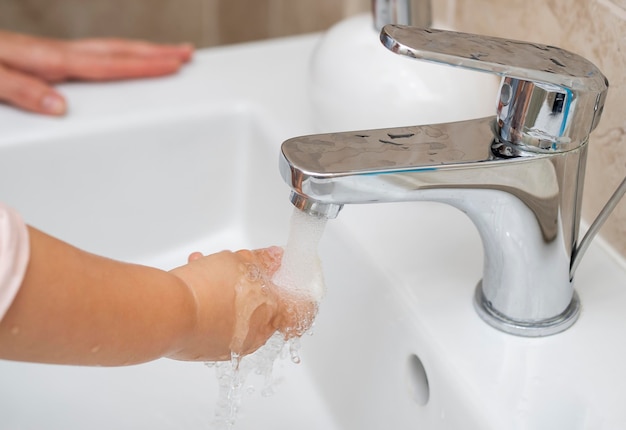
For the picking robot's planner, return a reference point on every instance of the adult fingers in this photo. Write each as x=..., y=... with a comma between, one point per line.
x=106, y=68
x=29, y=93
x=132, y=48
x=110, y=59
x=91, y=59
x=32, y=55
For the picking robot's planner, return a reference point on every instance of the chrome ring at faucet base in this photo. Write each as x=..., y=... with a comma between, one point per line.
x=542, y=328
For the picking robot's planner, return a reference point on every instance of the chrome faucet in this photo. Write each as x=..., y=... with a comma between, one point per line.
x=518, y=175
x=416, y=13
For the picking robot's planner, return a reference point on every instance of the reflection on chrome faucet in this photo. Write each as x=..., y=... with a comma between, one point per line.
x=518, y=175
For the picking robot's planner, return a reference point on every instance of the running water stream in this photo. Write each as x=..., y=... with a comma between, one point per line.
x=300, y=276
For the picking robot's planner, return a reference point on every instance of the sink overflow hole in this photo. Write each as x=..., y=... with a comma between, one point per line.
x=417, y=380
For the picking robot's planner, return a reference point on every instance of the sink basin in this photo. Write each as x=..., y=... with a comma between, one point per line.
x=148, y=171
x=151, y=193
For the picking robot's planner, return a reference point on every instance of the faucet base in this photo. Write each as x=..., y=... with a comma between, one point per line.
x=541, y=328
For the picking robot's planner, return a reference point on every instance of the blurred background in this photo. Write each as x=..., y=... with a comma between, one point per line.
x=595, y=29
x=202, y=22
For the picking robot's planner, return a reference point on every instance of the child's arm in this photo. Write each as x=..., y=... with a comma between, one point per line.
x=77, y=308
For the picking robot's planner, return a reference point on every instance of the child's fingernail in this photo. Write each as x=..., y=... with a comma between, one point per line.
x=276, y=252
x=194, y=256
x=53, y=104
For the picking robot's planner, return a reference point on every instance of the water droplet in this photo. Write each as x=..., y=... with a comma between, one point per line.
x=294, y=350
x=235, y=360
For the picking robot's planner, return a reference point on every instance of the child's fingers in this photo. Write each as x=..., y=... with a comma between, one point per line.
x=296, y=315
x=194, y=256
x=270, y=259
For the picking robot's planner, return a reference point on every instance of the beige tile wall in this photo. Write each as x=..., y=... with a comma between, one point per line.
x=202, y=22
x=595, y=29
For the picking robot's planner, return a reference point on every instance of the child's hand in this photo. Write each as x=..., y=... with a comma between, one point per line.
x=237, y=306
x=79, y=308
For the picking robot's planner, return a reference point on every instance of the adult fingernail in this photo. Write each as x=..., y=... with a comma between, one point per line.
x=53, y=104
x=187, y=49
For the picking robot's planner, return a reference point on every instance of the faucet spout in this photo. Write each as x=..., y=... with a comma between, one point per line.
x=400, y=164
x=525, y=205
x=518, y=175
x=314, y=207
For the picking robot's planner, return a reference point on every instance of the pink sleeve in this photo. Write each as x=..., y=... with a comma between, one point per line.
x=14, y=254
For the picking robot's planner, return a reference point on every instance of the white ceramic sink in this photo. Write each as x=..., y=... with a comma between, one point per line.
x=149, y=171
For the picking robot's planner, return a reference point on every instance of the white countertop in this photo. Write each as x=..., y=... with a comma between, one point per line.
x=235, y=73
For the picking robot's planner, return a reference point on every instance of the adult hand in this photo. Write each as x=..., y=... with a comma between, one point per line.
x=30, y=65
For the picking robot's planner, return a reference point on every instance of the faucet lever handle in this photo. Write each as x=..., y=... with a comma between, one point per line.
x=550, y=99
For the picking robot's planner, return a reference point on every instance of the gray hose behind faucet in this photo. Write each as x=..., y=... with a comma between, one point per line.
x=596, y=225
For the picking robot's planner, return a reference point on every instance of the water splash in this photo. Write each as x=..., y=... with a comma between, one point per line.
x=233, y=375
x=299, y=278
x=230, y=388
x=294, y=349
x=300, y=271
